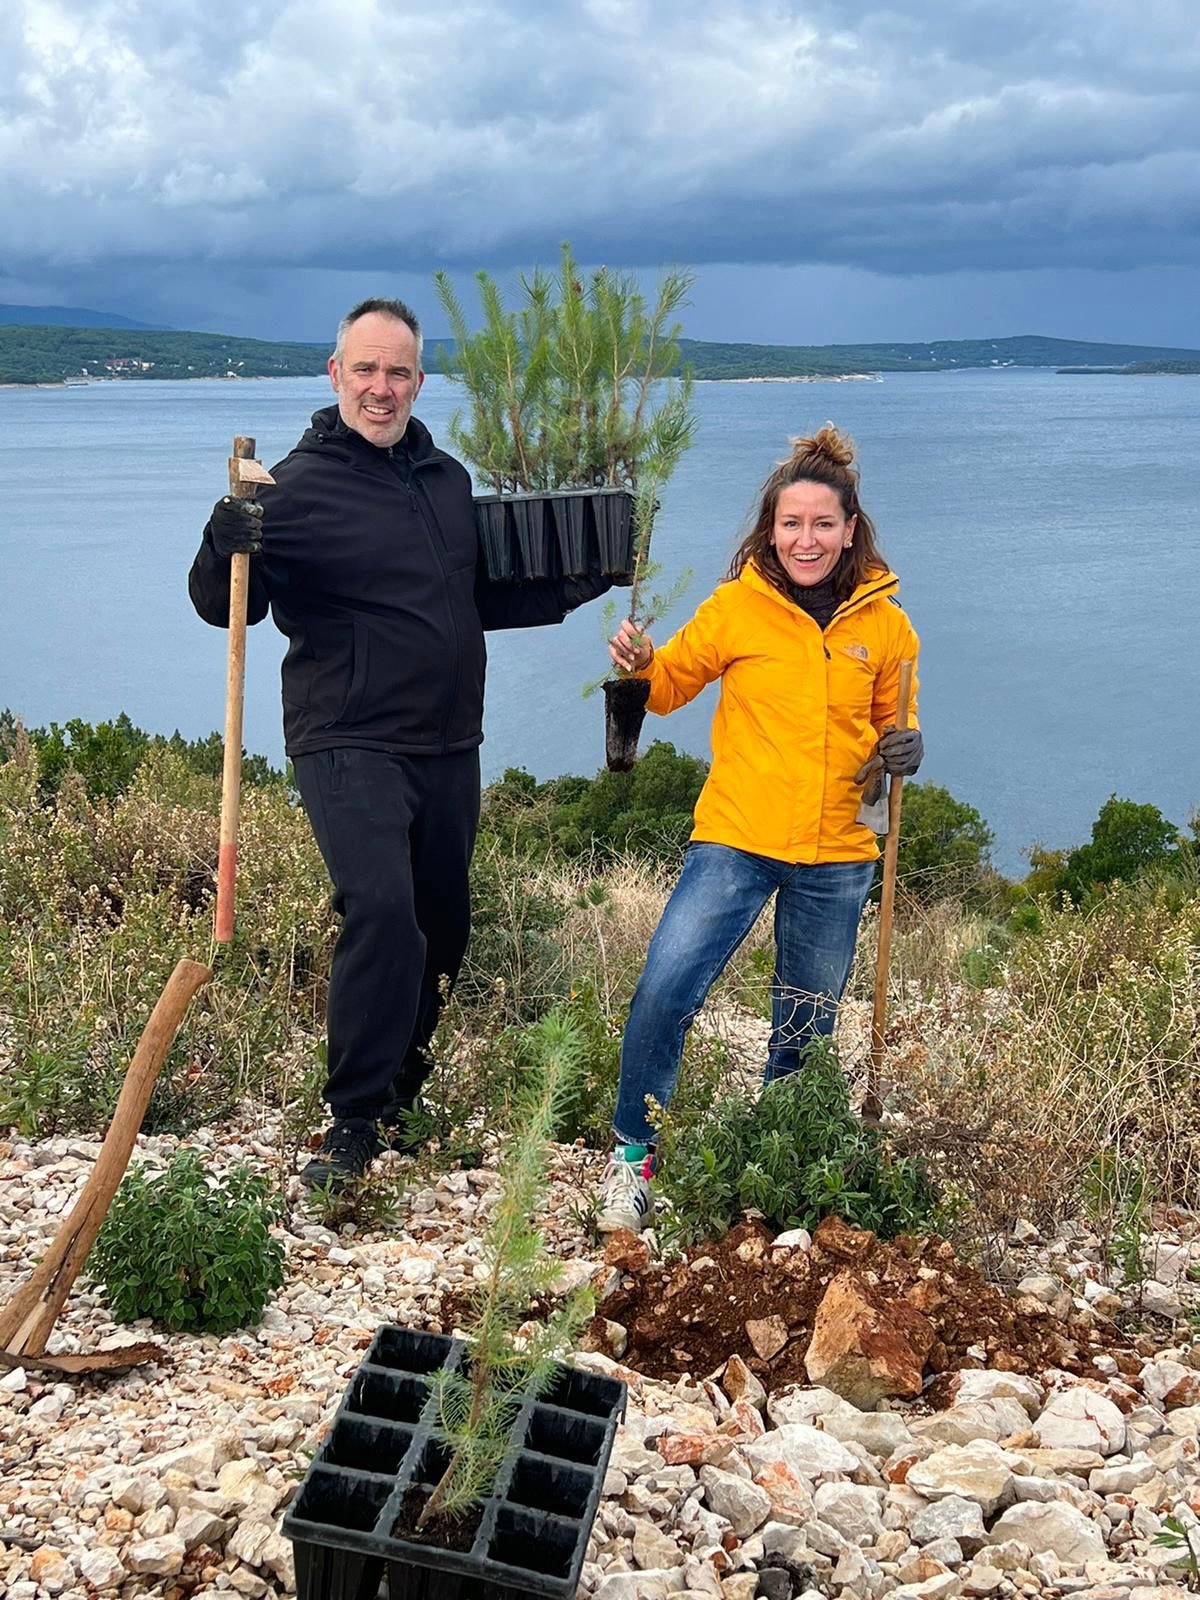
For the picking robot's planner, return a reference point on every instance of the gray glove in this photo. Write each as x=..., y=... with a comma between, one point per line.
x=902, y=750
x=898, y=752
x=235, y=527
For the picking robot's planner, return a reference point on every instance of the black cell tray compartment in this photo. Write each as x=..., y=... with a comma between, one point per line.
x=393, y=1396
x=534, y=1527
x=558, y=533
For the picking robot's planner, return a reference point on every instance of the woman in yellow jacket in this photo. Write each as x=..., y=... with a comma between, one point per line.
x=807, y=638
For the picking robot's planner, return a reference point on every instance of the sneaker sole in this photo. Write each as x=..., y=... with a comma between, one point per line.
x=611, y=1222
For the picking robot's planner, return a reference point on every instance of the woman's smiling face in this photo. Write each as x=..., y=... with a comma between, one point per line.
x=811, y=531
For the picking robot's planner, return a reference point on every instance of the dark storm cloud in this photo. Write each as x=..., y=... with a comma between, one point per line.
x=371, y=137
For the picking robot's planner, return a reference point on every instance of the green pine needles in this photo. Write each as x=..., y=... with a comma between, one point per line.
x=192, y=1251
x=579, y=388
x=478, y=1405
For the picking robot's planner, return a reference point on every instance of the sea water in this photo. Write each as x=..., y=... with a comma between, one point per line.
x=1045, y=530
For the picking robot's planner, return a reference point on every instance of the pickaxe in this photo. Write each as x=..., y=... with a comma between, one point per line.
x=872, y=1107
x=29, y=1316
x=245, y=475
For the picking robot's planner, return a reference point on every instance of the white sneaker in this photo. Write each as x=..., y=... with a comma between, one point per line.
x=627, y=1200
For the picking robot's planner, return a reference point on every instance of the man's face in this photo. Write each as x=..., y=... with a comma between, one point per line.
x=378, y=378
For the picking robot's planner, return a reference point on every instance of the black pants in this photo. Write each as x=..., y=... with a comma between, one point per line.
x=396, y=833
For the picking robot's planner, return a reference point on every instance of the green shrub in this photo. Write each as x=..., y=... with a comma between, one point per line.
x=982, y=966
x=796, y=1155
x=108, y=755
x=191, y=1251
x=944, y=846
x=646, y=812
x=1128, y=841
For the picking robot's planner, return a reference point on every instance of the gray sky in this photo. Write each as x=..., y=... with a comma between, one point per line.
x=835, y=171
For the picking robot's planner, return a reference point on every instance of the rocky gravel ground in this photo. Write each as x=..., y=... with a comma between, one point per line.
x=171, y=1480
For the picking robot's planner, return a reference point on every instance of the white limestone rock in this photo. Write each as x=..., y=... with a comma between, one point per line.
x=996, y=1418
x=952, y=1517
x=743, y=1504
x=161, y=1558
x=980, y=1471
x=851, y=1510
x=1081, y=1419
x=1058, y=1528
x=808, y=1451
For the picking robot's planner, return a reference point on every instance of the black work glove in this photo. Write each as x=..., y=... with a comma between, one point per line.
x=235, y=527
x=899, y=752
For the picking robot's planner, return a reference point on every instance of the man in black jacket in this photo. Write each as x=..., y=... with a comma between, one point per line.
x=365, y=553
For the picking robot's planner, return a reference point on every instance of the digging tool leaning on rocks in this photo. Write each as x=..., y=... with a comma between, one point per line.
x=808, y=640
x=365, y=552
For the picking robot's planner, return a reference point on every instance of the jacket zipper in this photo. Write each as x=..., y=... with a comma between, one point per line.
x=423, y=506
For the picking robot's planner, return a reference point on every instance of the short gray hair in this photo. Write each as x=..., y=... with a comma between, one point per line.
x=396, y=309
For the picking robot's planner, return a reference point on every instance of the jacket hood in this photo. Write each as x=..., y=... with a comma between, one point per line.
x=328, y=434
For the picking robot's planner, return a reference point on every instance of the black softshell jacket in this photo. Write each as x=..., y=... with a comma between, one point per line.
x=371, y=568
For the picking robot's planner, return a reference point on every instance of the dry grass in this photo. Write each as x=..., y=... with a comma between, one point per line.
x=1016, y=1058
x=1088, y=1043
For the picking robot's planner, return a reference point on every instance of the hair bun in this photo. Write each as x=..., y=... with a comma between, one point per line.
x=826, y=444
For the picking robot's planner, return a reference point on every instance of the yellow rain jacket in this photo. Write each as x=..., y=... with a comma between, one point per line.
x=799, y=713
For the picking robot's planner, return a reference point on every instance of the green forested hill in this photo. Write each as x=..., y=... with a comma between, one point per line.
x=943, y=355
x=49, y=354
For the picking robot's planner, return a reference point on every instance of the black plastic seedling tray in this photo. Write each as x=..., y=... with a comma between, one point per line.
x=561, y=532
x=614, y=530
x=384, y=1441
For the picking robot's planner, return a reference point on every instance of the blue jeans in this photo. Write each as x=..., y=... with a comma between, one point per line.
x=712, y=908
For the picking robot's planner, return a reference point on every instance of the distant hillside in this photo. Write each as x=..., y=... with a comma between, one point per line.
x=70, y=317
x=48, y=354
x=51, y=353
x=715, y=360
x=944, y=355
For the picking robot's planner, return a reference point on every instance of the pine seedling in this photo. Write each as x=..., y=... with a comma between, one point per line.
x=578, y=388
x=478, y=1405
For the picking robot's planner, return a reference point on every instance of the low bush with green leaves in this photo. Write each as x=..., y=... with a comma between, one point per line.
x=1128, y=842
x=108, y=755
x=797, y=1154
x=645, y=813
x=945, y=846
x=190, y=1250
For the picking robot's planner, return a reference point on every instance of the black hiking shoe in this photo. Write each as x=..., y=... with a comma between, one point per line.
x=349, y=1146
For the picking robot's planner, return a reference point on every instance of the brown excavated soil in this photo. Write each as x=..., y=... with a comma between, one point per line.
x=691, y=1315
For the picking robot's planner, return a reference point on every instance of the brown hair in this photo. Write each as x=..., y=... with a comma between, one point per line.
x=826, y=457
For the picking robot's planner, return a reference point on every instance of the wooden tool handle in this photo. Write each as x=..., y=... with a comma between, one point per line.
x=235, y=684
x=26, y=1321
x=887, y=901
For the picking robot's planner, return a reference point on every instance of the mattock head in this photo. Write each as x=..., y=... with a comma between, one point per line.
x=245, y=473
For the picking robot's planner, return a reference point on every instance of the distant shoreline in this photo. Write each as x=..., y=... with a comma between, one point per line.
x=200, y=377
x=805, y=377
x=34, y=355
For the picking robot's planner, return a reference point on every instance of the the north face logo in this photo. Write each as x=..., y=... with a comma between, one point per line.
x=858, y=651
